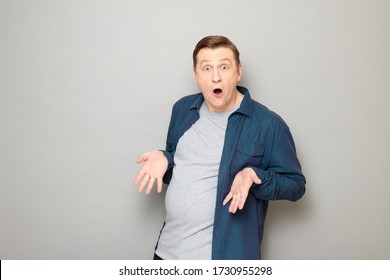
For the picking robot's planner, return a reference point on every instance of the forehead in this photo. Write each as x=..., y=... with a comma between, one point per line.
x=215, y=55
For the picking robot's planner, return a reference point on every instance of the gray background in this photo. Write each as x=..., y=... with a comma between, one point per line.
x=86, y=86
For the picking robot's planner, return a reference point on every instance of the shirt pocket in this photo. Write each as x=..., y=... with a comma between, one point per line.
x=247, y=154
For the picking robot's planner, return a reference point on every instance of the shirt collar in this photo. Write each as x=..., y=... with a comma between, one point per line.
x=246, y=103
x=198, y=102
x=245, y=107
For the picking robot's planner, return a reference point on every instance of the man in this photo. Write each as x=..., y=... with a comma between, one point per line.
x=226, y=156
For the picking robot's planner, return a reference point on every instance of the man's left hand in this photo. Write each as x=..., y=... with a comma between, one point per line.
x=242, y=182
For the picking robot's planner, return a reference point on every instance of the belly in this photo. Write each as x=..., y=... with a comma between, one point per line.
x=191, y=202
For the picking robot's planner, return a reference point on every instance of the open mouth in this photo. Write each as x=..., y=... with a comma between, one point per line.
x=217, y=91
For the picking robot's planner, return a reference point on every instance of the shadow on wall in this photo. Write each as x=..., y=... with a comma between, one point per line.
x=284, y=220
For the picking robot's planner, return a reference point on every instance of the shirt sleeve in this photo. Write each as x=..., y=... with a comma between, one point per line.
x=168, y=174
x=170, y=146
x=282, y=177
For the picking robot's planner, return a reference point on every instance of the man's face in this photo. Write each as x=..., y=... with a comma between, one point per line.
x=217, y=74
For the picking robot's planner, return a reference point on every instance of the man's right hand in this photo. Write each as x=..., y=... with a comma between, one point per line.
x=154, y=168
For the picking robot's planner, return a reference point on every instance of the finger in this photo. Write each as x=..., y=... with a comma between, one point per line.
x=242, y=201
x=232, y=209
x=159, y=185
x=227, y=198
x=231, y=193
x=234, y=205
x=142, y=185
x=139, y=176
x=150, y=185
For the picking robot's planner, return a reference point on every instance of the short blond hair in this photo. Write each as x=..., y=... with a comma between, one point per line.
x=213, y=42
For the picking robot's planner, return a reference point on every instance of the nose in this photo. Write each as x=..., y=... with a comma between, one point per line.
x=216, y=76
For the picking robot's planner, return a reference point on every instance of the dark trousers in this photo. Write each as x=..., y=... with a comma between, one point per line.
x=155, y=257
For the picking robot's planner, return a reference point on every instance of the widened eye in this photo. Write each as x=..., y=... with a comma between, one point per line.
x=224, y=67
x=207, y=68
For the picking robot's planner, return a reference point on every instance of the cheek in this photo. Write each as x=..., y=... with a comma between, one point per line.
x=201, y=85
x=201, y=80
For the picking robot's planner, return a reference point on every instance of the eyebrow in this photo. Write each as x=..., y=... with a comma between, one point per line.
x=221, y=60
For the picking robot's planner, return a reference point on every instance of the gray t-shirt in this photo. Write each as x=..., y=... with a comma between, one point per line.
x=191, y=195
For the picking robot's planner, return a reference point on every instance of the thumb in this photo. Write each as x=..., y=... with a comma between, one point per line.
x=142, y=158
x=255, y=179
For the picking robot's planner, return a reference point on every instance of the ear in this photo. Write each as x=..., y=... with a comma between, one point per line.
x=239, y=72
x=194, y=73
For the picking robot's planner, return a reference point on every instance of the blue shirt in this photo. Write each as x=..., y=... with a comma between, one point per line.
x=257, y=138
